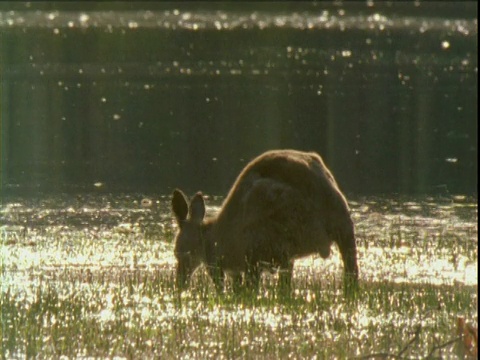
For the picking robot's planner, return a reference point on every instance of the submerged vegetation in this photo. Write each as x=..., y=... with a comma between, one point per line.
x=93, y=276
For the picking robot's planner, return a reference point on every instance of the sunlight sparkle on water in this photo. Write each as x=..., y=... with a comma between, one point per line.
x=110, y=260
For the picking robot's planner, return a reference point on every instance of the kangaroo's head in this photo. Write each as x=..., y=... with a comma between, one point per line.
x=189, y=242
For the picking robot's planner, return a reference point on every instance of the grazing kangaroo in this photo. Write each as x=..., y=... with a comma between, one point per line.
x=284, y=205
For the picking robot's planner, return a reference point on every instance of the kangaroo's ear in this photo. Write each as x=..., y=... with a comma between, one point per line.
x=197, y=208
x=179, y=205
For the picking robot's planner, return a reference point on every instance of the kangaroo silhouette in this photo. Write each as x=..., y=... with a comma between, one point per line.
x=284, y=205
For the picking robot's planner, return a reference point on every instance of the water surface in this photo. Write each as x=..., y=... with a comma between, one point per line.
x=412, y=240
x=147, y=99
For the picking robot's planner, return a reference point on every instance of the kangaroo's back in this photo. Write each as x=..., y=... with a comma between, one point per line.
x=266, y=183
x=283, y=201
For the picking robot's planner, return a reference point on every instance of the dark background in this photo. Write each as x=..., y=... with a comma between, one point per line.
x=136, y=99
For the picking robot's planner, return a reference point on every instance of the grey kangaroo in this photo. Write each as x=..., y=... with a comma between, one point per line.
x=284, y=205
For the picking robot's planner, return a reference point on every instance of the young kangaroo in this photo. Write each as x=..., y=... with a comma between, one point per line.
x=284, y=205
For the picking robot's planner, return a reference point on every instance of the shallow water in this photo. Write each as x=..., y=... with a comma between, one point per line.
x=416, y=240
x=93, y=275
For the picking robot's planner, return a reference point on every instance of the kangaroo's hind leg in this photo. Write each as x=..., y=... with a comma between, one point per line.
x=252, y=276
x=321, y=239
x=285, y=274
x=236, y=282
x=218, y=276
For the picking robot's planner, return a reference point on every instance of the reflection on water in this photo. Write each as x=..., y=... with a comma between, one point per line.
x=230, y=20
x=93, y=273
x=416, y=240
x=371, y=28
x=137, y=99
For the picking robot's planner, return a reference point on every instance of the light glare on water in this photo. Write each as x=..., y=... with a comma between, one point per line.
x=106, y=263
x=227, y=20
x=409, y=242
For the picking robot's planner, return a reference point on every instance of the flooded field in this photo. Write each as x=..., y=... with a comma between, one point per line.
x=93, y=276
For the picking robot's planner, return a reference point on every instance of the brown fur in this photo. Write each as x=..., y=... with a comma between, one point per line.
x=284, y=205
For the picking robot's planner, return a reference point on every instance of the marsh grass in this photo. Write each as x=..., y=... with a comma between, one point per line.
x=108, y=291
